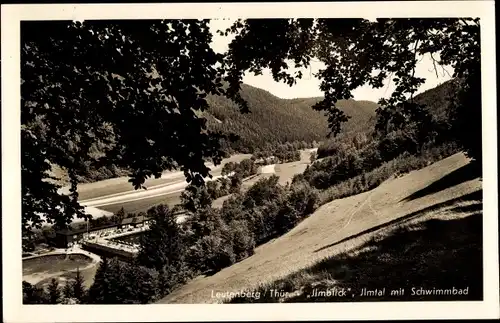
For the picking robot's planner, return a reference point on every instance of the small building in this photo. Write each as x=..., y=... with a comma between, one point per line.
x=134, y=222
x=266, y=160
x=68, y=237
x=71, y=236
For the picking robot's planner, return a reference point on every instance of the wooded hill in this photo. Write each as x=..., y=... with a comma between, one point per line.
x=271, y=121
x=274, y=120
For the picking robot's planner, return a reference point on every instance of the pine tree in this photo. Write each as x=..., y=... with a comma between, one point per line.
x=141, y=284
x=120, y=215
x=118, y=288
x=67, y=290
x=97, y=292
x=163, y=244
x=110, y=285
x=78, y=286
x=54, y=291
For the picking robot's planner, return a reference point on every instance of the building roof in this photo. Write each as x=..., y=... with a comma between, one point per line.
x=137, y=219
x=72, y=231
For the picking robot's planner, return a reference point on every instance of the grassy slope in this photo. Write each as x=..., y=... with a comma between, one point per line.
x=339, y=227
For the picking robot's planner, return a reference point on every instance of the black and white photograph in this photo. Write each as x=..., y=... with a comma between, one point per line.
x=326, y=155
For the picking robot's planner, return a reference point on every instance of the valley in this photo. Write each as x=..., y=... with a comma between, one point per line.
x=344, y=226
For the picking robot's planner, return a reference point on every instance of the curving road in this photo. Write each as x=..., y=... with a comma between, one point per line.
x=153, y=191
x=109, y=193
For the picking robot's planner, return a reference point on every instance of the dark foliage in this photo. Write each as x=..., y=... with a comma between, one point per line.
x=149, y=106
x=54, y=291
x=33, y=294
x=127, y=90
x=78, y=289
x=163, y=244
x=118, y=282
x=367, y=53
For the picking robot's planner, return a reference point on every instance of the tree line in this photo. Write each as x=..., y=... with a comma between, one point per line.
x=209, y=240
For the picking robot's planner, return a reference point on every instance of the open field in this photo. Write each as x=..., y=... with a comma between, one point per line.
x=444, y=193
x=285, y=172
x=89, y=191
x=142, y=205
x=168, y=189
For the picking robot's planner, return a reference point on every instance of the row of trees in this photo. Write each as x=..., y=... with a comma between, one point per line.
x=350, y=160
x=283, y=153
x=429, y=127
x=220, y=237
x=195, y=196
x=73, y=292
x=171, y=253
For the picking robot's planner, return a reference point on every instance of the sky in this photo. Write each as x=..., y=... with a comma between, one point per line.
x=308, y=86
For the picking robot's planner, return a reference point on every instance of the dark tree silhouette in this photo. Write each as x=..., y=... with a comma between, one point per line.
x=54, y=291
x=99, y=291
x=359, y=52
x=67, y=290
x=33, y=294
x=78, y=286
x=129, y=88
x=162, y=245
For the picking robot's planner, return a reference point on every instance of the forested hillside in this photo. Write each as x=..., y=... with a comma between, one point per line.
x=273, y=120
x=435, y=101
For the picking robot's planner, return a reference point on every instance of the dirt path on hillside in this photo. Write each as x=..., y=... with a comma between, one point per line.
x=334, y=228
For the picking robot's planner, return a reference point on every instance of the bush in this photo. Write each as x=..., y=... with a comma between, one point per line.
x=215, y=252
x=243, y=239
x=265, y=189
x=301, y=201
x=313, y=157
x=119, y=282
x=164, y=243
x=34, y=295
x=210, y=241
x=195, y=197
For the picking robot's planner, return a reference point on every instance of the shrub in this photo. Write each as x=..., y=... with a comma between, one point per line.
x=54, y=292
x=215, y=251
x=33, y=294
x=265, y=189
x=210, y=241
x=301, y=200
x=195, y=197
x=313, y=157
x=243, y=239
x=118, y=282
x=400, y=165
x=164, y=243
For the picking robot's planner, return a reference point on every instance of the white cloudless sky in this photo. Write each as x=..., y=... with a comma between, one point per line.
x=308, y=86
